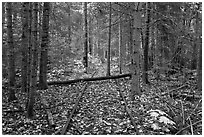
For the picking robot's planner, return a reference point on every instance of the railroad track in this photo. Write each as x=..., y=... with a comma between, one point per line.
x=102, y=108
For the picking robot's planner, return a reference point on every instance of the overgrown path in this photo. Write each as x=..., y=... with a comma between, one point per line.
x=102, y=110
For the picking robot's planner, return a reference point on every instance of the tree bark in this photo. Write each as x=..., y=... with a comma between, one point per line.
x=199, y=68
x=69, y=23
x=90, y=36
x=120, y=46
x=85, y=37
x=34, y=64
x=153, y=47
x=130, y=40
x=25, y=42
x=29, y=50
x=199, y=43
x=109, y=41
x=44, y=47
x=11, y=57
x=146, y=45
x=135, y=70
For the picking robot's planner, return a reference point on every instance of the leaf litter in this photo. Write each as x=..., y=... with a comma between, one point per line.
x=101, y=110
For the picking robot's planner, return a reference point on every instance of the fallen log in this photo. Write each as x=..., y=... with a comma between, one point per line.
x=88, y=79
x=80, y=80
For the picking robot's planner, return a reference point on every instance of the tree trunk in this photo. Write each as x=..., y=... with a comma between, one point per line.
x=69, y=23
x=97, y=49
x=199, y=43
x=152, y=43
x=109, y=41
x=29, y=50
x=194, y=57
x=25, y=34
x=120, y=46
x=90, y=37
x=11, y=57
x=4, y=49
x=130, y=41
x=44, y=47
x=135, y=84
x=88, y=79
x=85, y=37
x=3, y=13
x=34, y=64
x=199, y=68
x=146, y=45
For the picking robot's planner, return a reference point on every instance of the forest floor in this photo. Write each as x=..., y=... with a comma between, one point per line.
x=168, y=106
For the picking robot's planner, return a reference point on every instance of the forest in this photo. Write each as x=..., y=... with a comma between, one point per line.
x=101, y=68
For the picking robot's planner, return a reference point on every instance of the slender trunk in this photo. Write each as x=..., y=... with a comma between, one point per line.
x=34, y=63
x=199, y=68
x=44, y=47
x=90, y=37
x=4, y=50
x=29, y=50
x=98, y=37
x=120, y=46
x=146, y=45
x=25, y=42
x=11, y=57
x=130, y=40
x=195, y=45
x=199, y=43
x=69, y=23
x=153, y=44
x=85, y=37
x=3, y=13
x=135, y=84
x=109, y=42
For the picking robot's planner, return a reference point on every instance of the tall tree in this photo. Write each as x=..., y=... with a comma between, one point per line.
x=34, y=63
x=121, y=49
x=3, y=12
x=90, y=35
x=69, y=22
x=24, y=49
x=85, y=37
x=4, y=50
x=29, y=49
x=199, y=67
x=199, y=43
x=130, y=38
x=44, y=47
x=135, y=69
x=11, y=57
x=98, y=37
x=146, y=44
x=109, y=41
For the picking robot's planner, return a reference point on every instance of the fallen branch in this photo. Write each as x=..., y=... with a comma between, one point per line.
x=88, y=79
x=191, y=125
x=194, y=109
x=176, y=89
x=188, y=127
